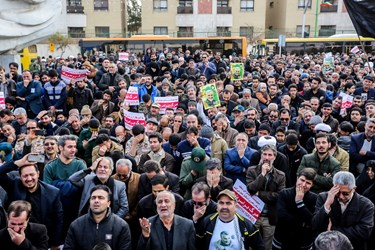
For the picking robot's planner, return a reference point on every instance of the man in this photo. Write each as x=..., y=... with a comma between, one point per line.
x=226, y=229
x=147, y=88
x=151, y=126
x=19, y=124
x=45, y=123
x=147, y=206
x=13, y=72
x=99, y=174
x=31, y=142
x=73, y=124
x=239, y=119
x=266, y=182
x=192, y=141
x=138, y=144
x=29, y=94
x=103, y=107
x=367, y=91
x=44, y=198
x=104, y=147
x=206, y=67
x=237, y=159
x=295, y=208
x=200, y=205
x=109, y=80
x=285, y=120
x=344, y=210
x=362, y=148
x=102, y=70
x=157, y=154
x=80, y=94
x=224, y=130
x=55, y=94
x=325, y=165
x=264, y=130
x=98, y=225
x=315, y=91
x=7, y=86
x=154, y=112
x=215, y=179
x=20, y=233
x=166, y=230
x=332, y=240
x=328, y=119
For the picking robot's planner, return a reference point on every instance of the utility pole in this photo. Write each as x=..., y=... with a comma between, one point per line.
x=304, y=17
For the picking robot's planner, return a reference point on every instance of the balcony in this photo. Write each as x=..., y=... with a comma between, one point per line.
x=224, y=10
x=185, y=10
x=74, y=9
x=332, y=8
x=327, y=32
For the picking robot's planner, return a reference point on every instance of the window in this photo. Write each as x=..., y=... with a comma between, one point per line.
x=185, y=32
x=299, y=31
x=222, y=31
x=302, y=4
x=76, y=32
x=327, y=30
x=329, y=6
x=160, y=5
x=185, y=3
x=74, y=3
x=247, y=5
x=160, y=30
x=102, y=31
x=246, y=31
x=222, y=3
x=100, y=4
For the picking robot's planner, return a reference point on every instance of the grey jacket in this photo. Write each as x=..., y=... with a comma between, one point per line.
x=119, y=199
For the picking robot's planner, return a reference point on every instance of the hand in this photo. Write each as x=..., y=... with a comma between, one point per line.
x=199, y=212
x=137, y=139
x=95, y=164
x=100, y=102
x=241, y=151
x=53, y=108
x=20, y=98
x=362, y=152
x=329, y=225
x=17, y=238
x=193, y=173
x=146, y=227
x=84, y=120
x=94, y=134
x=266, y=167
x=111, y=88
x=299, y=193
x=331, y=196
x=219, y=126
x=102, y=150
x=24, y=161
x=26, y=83
x=215, y=180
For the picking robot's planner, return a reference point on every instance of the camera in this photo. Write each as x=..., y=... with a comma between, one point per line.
x=36, y=158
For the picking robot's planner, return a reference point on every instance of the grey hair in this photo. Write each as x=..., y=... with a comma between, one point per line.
x=221, y=116
x=371, y=120
x=332, y=240
x=273, y=104
x=19, y=111
x=246, y=91
x=171, y=195
x=344, y=178
x=124, y=162
x=110, y=162
x=269, y=147
x=62, y=139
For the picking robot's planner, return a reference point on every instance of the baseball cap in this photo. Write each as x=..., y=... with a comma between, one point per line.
x=152, y=120
x=228, y=193
x=6, y=150
x=155, y=105
x=198, y=156
x=239, y=108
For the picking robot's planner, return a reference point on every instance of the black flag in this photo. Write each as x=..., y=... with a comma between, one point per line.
x=362, y=13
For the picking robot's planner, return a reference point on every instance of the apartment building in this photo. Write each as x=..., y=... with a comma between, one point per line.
x=201, y=18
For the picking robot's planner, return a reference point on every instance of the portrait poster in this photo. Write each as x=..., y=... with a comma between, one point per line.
x=237, y=70
x=210, y=96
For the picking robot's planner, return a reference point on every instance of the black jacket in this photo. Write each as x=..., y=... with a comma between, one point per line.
x=81, y=97
x=187, y=211
x=225, y=183
x=145, y=184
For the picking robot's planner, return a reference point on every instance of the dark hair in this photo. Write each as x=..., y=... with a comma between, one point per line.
x=280, y=129
x=102, y=187
x=102, y=138
x=151, y=166
x=291, y=139
x=138, y=129
x=156, y=135
x=159, y=180
x=199, y=187
x=108, y=92
x=116, y=155
x=285, y=111
x=14, y=64
x=213, y=163
x=174, y=139
x=292, y=86
x=63, y=131
x=326, y=105
x=192, y=130
x=309, y=173
x=146, y=98
x=322, y=135
x=333, y=140
x=18, y=207
x=346, y=127
x=102, y=246
x=52, y=73
x=249, y=124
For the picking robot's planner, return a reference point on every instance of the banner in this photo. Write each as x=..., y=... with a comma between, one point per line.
x=347, y=102
x=2, y=101
x=132, y=97
x=68, y=74
x=210, y=96
x=237, y=70
x=131, y=119
x=167, y=102
x=362, y=15
x=248, y=206
x=123, y=56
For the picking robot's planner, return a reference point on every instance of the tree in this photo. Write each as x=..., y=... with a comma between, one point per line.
x=134, y=16
x=61, y=42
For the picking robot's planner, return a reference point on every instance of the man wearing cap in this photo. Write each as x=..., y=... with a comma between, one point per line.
x=192, y=168
x=227, y=229
x=45, y=123
x=367, y=92
x=55, y=95
x=151, y=126
x=265, y=181
x=154, y=112
x=239, y=118
x=324, y=164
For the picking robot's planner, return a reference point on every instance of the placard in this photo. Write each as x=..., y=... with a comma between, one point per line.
x=237, y=70
x=166, y=102
x=248, y=206
x=131, y=119
x=68, y=74
x=2, y=101
x=123, y=56
x=347, y=102
x=132, y=97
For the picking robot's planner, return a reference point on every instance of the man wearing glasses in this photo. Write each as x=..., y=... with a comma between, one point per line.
x=207, y=68
x=285, y=121
x=342, y=209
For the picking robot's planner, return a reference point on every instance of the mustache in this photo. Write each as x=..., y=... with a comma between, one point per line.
x=224, y=210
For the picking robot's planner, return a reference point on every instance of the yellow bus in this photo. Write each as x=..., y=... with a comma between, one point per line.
x=228, y=46
x=26, y=55
x=335, y=44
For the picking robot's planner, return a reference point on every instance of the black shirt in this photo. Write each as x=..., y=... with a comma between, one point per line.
x=168, y=237
x=35, y=199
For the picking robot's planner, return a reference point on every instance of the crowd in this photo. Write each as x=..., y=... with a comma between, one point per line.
x=299, y=135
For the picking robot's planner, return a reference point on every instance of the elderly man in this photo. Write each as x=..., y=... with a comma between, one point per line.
x=226, y=229
x=109, y=80
x=98, y=225
x=138, y=144
x=265, y=181
x=166, y=230
x=344, y=210
x=224, y=130
x=99, y=174
x=19, y=124
x=20, y=233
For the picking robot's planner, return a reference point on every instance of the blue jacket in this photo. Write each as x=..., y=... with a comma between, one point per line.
x=55, y=95
x=51, y=212
x=356, y=144
x=142, y=91
x=32, y=95
x=235, y=168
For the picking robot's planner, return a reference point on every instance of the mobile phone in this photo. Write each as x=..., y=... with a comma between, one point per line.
x=36, y=158
x=40, y=132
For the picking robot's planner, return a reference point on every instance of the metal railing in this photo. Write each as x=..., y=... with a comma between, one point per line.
x=185, y=10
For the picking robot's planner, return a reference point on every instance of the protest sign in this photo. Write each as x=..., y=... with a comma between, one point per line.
x=248, y=206
x=123, y=56
x=167, y=102
x=131, y=119
x=328, y=63
x=210, y=96
x=132, y=97
x=2, y=101
x=68, y=74
x=237, y=70
x=347, y=102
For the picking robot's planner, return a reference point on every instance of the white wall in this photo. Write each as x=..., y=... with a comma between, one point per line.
x=43, y=50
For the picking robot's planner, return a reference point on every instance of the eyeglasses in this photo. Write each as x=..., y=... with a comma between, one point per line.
x=204, y=57
x=29, y=128
x=344, y=193
x=49, y=143
x=284, y=119
x=273, y=116
x=123, y=176
x=199, y=203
